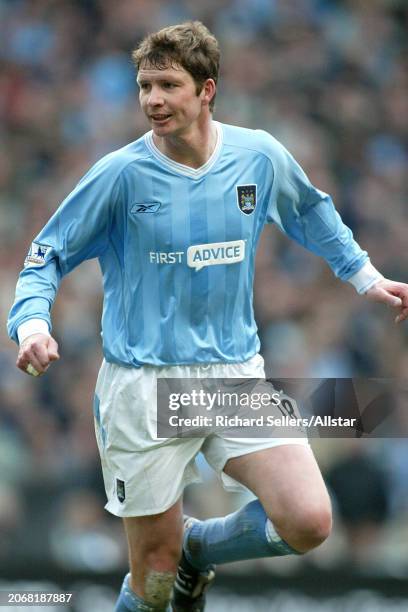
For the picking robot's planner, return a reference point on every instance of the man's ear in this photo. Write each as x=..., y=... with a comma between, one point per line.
x=208, y=91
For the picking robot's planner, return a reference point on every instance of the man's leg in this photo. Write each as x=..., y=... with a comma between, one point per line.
x=292, y=513
x=154, y=552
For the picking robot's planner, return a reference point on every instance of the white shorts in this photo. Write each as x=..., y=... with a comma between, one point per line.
x=145, y=475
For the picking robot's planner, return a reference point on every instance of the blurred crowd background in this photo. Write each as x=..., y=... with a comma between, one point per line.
x=330, y=80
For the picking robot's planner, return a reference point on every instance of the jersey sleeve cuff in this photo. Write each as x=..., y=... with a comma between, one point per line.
x=365, y=278
x=30, y=327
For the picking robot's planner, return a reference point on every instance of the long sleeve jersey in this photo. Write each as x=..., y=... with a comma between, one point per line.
x=176, y=246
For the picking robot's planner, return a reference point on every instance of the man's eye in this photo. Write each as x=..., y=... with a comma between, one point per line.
x=143, y=86
x=169, y=85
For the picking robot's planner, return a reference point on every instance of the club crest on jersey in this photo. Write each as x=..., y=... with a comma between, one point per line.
x=36, y=255
x=246, y=196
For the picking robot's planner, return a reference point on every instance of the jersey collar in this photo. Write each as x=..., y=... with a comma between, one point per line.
x=194, y=173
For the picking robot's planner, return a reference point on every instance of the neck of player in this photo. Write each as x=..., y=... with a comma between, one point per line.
x=192, y=147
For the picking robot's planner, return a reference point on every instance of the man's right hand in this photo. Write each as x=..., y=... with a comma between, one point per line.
x=37, y=350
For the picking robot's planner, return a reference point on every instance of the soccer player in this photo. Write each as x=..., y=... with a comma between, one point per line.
x=174, y=219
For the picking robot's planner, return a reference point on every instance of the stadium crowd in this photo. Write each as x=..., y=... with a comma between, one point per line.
x=330, y=80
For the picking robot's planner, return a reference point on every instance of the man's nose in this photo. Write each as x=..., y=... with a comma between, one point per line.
x=155, y=97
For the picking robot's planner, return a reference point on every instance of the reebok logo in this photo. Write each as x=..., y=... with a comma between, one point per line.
x=148, y=207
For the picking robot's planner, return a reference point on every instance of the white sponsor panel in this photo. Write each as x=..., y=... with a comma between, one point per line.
x=215, y=253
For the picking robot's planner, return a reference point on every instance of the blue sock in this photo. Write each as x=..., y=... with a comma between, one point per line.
x=245, y=534
x=128, y=601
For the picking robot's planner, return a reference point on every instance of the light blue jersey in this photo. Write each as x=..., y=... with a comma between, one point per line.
x=177, y=245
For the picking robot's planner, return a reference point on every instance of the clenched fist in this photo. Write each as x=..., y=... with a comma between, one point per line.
x=36, y=354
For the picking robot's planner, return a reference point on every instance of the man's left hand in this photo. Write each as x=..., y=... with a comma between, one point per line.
x=393, y=294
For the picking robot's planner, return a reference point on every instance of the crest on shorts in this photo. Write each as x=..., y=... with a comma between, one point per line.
x=120, y=490
x=246, y=196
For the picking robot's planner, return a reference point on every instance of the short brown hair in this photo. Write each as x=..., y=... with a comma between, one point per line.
x=189, y=45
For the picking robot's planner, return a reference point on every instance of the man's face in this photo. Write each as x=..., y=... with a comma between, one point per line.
x=169, y=99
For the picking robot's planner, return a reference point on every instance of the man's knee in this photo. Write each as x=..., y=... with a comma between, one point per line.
x=156, y=556
x=306, y=529
x=155, y=547
x=315, y=528
x=163, y=558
